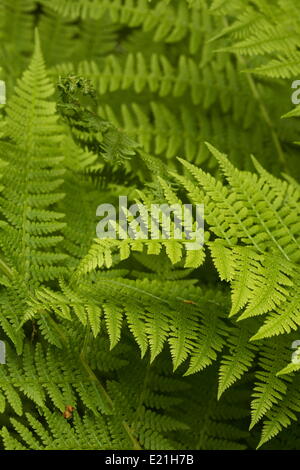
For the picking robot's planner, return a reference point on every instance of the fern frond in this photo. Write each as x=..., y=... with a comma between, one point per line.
x=32, y=177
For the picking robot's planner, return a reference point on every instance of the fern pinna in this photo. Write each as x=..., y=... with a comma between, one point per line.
x=164, y=102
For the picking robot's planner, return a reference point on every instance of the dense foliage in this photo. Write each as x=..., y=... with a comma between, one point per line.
x=135, y=343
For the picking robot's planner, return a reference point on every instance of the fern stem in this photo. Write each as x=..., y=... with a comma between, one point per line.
x=6, y=269
x=136, y=444
x=139, y=408
x=263, y=109
x=137, y=289
x=94, y=378
x=265, y=115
